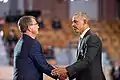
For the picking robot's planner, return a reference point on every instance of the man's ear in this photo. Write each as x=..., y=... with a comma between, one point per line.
x=85, y=21
x=29, y=28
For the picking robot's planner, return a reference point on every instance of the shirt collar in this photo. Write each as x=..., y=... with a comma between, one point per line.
x=84, y=32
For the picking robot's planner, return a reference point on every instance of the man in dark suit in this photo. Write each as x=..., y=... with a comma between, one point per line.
x=29, y=62
x=88, y=64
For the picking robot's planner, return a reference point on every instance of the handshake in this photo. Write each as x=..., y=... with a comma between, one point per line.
x=60, y=72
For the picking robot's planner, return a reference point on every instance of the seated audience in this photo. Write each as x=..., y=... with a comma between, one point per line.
x=56, y=24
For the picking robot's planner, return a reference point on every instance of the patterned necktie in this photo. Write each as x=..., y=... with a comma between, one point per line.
x=79, y=43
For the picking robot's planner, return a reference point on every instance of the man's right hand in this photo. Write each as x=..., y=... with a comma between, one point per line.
x=61, y=72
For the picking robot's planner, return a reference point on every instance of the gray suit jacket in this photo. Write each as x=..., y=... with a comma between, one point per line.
x=88, y=65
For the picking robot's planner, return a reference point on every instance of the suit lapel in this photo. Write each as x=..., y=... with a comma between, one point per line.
x=81, y=43
x=80, y=50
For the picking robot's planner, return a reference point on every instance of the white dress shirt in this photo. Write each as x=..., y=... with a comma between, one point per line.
x=82, y=35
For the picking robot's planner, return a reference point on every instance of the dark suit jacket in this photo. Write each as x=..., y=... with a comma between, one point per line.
x=88, y=67
x=29, y=62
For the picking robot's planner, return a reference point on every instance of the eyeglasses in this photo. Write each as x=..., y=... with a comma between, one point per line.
x=34, y=24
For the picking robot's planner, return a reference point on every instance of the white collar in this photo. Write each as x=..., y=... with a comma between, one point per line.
x=84, y=32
